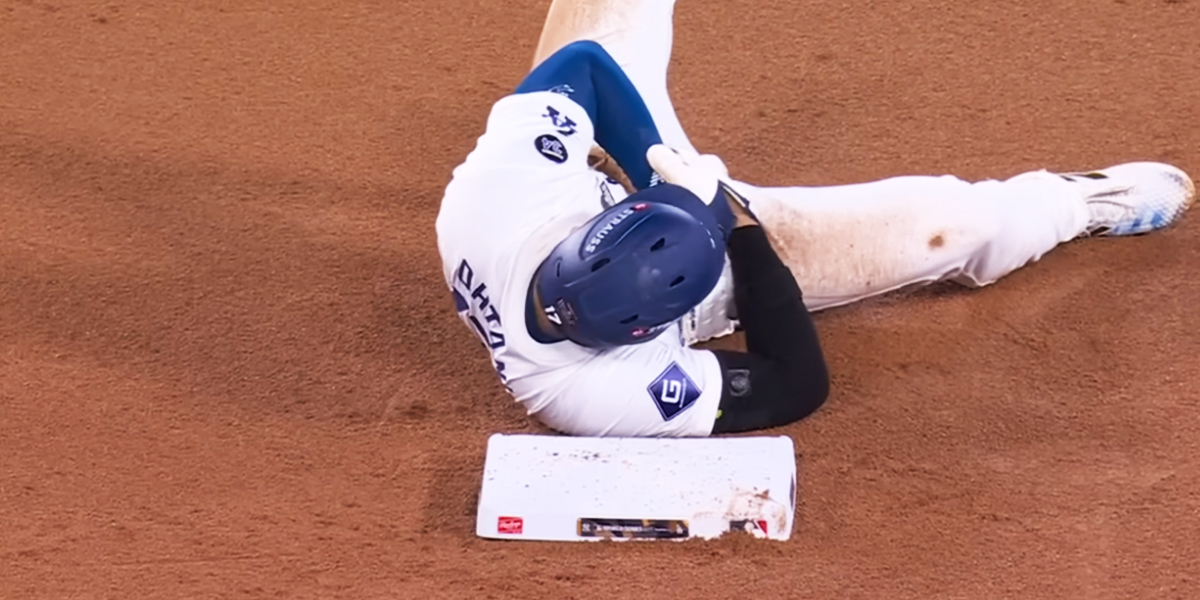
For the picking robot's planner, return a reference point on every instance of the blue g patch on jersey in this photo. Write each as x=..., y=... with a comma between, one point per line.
x=673, y=392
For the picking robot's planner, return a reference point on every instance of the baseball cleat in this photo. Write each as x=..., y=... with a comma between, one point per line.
x=1134, y=198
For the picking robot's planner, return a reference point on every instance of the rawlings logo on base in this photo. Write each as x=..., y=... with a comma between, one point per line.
x=510, y=525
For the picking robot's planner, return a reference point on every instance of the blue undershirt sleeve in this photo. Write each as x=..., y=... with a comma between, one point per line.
x=586, y=73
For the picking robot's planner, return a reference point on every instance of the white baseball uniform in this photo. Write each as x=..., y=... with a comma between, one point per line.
x=527, y=184
x=523, y=189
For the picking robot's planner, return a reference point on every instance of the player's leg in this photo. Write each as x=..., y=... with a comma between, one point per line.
x=850, y=242
x=638, y=35
x=846, y=243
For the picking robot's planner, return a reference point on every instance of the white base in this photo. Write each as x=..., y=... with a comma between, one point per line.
x=585, y=489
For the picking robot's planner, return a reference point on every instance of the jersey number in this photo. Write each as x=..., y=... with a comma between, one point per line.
x=563, y=124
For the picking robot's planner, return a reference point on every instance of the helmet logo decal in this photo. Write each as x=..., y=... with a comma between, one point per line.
x=594, y=241
x=564, y=312
x=639, y=332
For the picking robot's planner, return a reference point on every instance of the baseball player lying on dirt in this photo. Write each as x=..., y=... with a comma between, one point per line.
x=590, y=294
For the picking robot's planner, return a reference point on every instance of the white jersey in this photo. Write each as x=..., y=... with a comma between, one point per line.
x=523, y=189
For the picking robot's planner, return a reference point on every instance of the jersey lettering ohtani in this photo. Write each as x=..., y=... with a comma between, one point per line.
x=524, y=187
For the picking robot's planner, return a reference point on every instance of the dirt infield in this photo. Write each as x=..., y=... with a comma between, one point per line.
x=229, y=367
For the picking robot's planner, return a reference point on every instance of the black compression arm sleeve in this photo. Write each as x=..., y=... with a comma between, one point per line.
x=782, y=377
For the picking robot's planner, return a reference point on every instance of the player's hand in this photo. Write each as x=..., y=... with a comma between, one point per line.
x=695, y=173
x=705, y=175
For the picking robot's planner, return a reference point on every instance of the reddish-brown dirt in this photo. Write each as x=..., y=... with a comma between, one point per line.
x=228, y=366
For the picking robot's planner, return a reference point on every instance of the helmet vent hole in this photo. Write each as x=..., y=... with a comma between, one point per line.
x=599, y=264
x=659, y=244
x=678, y=280
x=628, y=320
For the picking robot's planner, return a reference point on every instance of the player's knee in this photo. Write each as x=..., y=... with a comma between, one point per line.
x=583, y=52
x=586, y=46
x=809, y=391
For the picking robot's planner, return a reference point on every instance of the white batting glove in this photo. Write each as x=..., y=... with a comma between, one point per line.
x=701, y=174
x=695, y=173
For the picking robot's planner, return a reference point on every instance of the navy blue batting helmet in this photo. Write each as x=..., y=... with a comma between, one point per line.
x=634, y=269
